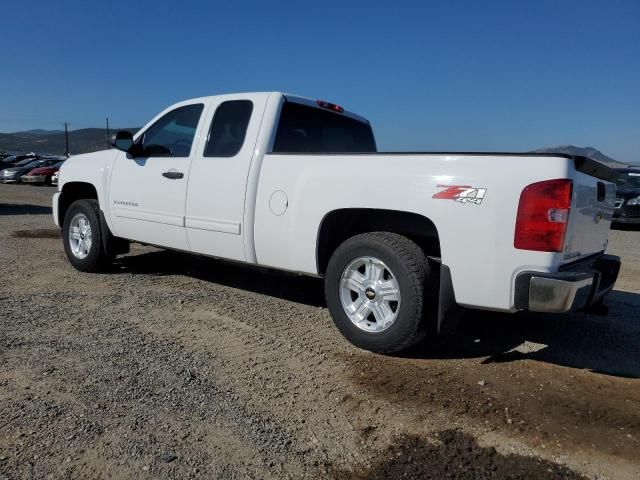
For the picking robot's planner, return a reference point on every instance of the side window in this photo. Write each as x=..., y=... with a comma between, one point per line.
x=172, y=135
x=228, y=128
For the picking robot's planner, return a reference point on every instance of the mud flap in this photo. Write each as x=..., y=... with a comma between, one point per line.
x=111, y=243
x=449, y=312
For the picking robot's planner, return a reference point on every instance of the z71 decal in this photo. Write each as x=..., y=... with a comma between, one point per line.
x=461, y=193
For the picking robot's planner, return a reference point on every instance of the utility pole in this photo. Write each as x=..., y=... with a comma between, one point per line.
x=108, y=135
x=66, y=138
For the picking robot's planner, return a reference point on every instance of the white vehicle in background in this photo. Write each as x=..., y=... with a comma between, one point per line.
x=403, y=240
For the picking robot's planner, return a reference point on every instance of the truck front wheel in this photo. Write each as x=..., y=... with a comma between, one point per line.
x=375, y=290
x=82, y=237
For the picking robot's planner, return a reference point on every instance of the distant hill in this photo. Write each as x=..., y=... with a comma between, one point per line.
x=40, y=131
x=52, y=141
x=585, y=152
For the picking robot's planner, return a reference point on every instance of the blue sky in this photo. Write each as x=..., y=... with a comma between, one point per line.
x=430, y=75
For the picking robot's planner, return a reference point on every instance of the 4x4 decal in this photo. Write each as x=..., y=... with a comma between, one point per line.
x=461, y=193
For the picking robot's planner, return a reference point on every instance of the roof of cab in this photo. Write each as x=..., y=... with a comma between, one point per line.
x=288, y=96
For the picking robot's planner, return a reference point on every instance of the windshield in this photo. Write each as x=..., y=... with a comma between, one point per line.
x=628, y=179
x=24, y=162
x=29, y=163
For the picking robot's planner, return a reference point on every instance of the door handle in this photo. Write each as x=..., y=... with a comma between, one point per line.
x=173, y=174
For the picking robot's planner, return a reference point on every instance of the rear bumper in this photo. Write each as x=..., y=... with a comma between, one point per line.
x=626, y=220
x=33, y=178
x=626, y=214
x=573, y=288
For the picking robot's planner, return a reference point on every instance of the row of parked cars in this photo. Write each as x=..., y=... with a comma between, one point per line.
x=30, y=168
x=627, y=206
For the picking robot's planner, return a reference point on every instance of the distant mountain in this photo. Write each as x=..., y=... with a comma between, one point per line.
x=585, y=152
x=44, y=141
x=39, y=131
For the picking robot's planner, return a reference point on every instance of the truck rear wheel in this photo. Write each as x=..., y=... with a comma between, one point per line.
x=82, y=237
x=375, y=291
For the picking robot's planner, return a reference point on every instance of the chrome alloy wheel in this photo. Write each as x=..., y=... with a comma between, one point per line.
x=370, y=294
x=80, y=236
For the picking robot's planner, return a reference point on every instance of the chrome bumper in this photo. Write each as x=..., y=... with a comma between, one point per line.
x=33, y=178
x=575, y=287
x=626, y=220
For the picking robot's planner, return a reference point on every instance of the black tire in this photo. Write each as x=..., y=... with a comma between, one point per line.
x=410, y=267
x=97, y=259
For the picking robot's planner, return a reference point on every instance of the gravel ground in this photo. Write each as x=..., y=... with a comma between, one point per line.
x=173, y=366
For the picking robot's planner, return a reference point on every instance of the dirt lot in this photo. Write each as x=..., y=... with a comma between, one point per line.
x=177, y=367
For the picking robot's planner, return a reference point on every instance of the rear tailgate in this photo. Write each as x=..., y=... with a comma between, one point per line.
x=591, y=209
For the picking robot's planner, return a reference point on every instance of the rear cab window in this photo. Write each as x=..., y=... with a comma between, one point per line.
x=306, y=129
x=229, y=128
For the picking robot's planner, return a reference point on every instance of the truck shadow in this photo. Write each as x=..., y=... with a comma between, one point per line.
x=625, y=227
x=23, y=209
x=274, y=283
x=608, y=345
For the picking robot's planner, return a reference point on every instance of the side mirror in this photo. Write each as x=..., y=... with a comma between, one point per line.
x=122, y=140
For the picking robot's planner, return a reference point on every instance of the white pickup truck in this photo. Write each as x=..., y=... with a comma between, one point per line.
x=404, y=241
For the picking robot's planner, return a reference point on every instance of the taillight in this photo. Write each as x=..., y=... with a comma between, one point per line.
x=543, y=213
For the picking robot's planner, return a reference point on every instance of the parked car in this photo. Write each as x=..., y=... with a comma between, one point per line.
x=13, y=174
x=403, y=240
x=8, y=173
x=41, y=175
x=12, y=160
x=60, y=158
x=54, y=177
x=627, y=205
x=7, y=161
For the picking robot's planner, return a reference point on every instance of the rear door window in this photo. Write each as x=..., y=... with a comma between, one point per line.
x=228, y=129
x=304, y=129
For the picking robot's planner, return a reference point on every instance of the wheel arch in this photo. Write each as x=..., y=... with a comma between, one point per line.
x=341, y=224
x=72, y=191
